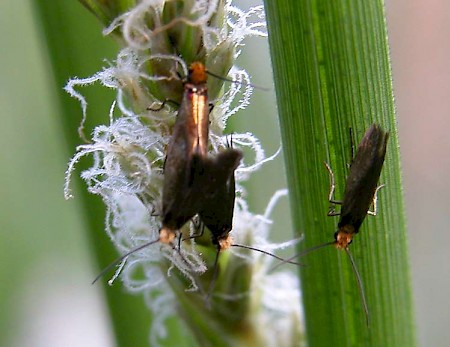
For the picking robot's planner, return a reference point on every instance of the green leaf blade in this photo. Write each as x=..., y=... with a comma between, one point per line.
x=332, y=73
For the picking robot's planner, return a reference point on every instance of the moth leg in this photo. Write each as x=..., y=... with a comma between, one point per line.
x=179, y=242
x=374, y=201
x=352, y=147
x=199, y=230
x=211, y=107
x=229, y=141
x=154, y=212
x=331, y=211
x=161, y=106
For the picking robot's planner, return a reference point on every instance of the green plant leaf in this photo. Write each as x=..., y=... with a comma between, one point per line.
x=76, y=47
x=332, y=72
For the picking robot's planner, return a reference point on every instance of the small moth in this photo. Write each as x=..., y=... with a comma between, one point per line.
x=360, y=193
x=361, y=186
x=184, y=172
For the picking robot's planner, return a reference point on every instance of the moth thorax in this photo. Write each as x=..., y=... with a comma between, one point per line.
x=344, y=236
x=197, y=73
x=225, y=243
x=166, y=235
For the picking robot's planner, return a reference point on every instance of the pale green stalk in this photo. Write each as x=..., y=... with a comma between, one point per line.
x=69, y=34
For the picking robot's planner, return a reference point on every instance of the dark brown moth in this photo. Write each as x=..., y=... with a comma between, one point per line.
x=184, y=172
x=361, y=186
x=360, y=193
x=216, y=212
x=218, y=208
x=218, y=203
x=194, y=182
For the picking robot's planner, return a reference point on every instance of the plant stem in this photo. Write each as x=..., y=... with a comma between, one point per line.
x=76, y=48
x=332, y=73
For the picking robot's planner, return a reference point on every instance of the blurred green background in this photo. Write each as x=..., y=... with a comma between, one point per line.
x=45, y=265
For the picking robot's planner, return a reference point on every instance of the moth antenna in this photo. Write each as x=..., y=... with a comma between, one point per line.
x=305, y=252
x=213, y=280
x=267, y=253
x=122, y=257
x=360, y=286
x=237, y=82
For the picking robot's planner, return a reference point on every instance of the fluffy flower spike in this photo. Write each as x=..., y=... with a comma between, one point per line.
x=160, y=39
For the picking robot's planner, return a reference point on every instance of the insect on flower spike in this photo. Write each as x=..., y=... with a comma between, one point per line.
x=218, y=205
x=217, y=211
x=360, y=192
x=181, y=170
x=188, y=171
x=189, y=143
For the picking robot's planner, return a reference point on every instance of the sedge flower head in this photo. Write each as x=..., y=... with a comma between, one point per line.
x=128, y=155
